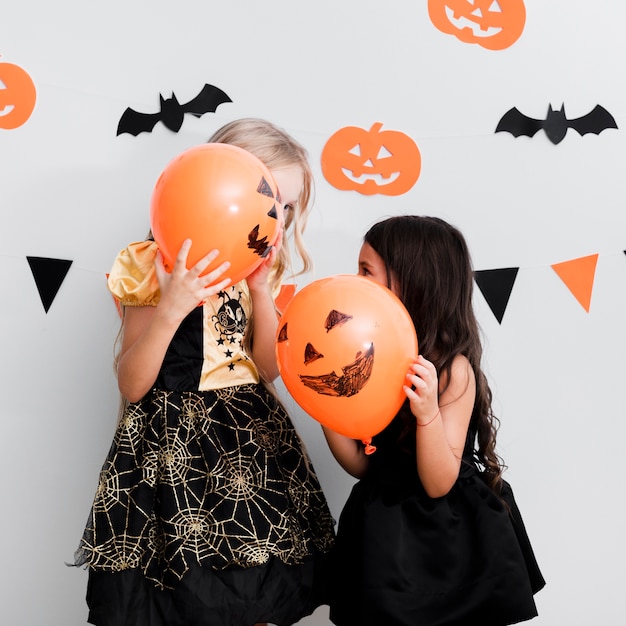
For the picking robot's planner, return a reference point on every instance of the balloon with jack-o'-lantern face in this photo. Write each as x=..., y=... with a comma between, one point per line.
x=17, y=96
x=492, y=24
x=344, y=347
x=371, y=161
x=221, y=197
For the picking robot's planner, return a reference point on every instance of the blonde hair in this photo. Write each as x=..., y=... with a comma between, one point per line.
x=278, y=150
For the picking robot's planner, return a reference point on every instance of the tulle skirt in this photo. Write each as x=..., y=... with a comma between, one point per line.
x=206, y=502
x=274, y=592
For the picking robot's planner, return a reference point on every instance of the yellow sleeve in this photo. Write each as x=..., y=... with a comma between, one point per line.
x=132, y=279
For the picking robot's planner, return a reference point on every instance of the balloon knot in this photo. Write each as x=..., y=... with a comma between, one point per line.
x=369, y=448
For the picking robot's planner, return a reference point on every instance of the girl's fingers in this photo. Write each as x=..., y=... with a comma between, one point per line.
x=159, y=265
x=184, y=249
x=410, y=394
x=279, y=239
x=211, y=277
x=204, y=262
x=217, y=287
x=183, y=253
x=423, y=368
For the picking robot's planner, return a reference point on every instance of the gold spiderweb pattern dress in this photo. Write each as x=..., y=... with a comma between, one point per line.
x=206, y=476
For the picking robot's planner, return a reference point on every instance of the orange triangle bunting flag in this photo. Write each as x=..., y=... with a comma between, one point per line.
x=285, y=296
x=578, y=276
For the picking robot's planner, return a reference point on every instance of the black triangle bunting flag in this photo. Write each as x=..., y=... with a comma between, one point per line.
x=496, y=286
x=49, y=275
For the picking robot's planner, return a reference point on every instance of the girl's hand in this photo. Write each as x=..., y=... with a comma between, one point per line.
x=182, y=290
x=258, y=278
x=422, y=390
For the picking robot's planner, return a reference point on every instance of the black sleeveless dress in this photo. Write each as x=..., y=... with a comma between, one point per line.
x=405, y=559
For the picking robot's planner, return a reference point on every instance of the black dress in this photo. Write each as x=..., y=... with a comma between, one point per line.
x=208, y=511
x=405, y=559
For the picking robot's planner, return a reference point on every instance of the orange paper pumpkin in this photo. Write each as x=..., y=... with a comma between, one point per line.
x=344, y=347
x=17, y=96
x=221, y=197
x=371, y=161
x=492, y=25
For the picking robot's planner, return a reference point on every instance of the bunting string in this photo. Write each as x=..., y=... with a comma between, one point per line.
x=496, y=284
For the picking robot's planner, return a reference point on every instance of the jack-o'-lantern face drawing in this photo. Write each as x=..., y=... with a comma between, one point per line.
x=492, y=24
x=17, y=96
x=344, y=347
x=371, y=161
x=354, y=375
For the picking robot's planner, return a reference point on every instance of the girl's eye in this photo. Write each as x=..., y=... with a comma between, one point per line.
x=288, y=207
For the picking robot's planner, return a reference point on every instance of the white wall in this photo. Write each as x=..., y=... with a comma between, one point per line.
x=71, y=189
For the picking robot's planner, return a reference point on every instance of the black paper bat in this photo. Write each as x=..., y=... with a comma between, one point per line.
x=172, y=113
x=556, y=123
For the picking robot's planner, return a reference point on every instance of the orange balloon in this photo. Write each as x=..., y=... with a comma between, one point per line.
x=344, y=347
x=221, y=197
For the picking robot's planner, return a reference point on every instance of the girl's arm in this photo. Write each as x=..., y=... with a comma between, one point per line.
x=148, y=330
x=442, y=421
x=348, y=452
x=264, y=316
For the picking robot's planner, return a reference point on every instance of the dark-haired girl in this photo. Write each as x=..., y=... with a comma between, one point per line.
x=431, y=534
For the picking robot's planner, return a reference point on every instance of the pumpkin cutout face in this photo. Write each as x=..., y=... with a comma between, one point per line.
x=221, y=197
x=492, y=24
x=344, y=347
x=17, y=96
x=371, y=161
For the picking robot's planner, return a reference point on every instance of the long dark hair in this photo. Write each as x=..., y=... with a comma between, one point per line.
x=430, y=265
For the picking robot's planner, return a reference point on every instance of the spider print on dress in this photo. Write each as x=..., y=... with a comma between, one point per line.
x=230, y=320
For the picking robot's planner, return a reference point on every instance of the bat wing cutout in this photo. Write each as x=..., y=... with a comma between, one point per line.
x=207, y=101
x=597, y=120
x=133, y=122
x=354, y=377
x=171, y=112
x=518, y=124
x=556, y=123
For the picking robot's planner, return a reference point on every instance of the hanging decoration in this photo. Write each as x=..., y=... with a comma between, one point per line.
x=171, y=113
x=371, y=161
x=286, y=294
x=578, y=275
x=49, y=275
x=17, y=96
x=496, y=286
x=556, y=123
x=491, y=24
